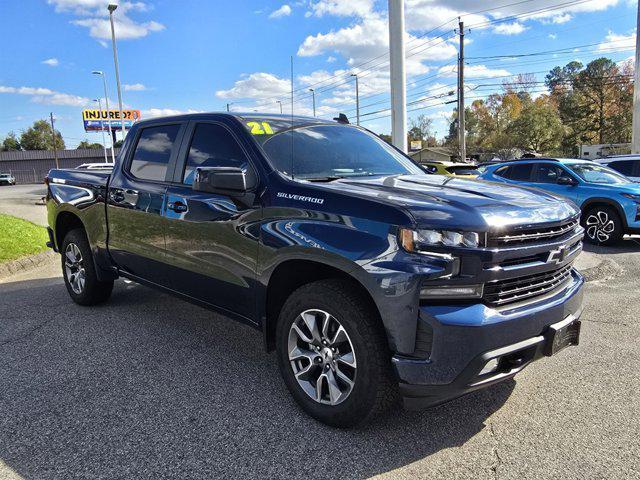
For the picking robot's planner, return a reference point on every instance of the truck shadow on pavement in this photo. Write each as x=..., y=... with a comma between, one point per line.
x=147, y=386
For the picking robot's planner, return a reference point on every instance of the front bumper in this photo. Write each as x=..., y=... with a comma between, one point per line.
x=466, y=337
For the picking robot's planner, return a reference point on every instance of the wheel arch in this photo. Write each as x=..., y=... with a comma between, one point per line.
x=291, y=274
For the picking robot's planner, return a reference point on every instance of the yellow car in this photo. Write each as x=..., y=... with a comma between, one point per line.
x=451, y=169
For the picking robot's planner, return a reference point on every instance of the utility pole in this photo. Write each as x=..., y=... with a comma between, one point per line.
x=357, y=100
x=461, y=127
x=104, y=142
x=398, y=75
x=313, y=93
x=279, y=103
x=111, y=8
x=228, y=105
x=635, y=129
x=53, y=137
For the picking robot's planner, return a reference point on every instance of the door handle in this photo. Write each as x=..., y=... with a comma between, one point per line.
x=177, y=207
x=116, y=195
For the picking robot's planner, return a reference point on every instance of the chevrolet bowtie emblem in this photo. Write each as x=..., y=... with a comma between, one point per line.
x=559, y=255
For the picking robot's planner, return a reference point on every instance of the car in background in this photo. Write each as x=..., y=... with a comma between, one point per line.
x=95, y=166
x=7, y=179
x=609, y=201
x=450, y=169
x=627, y=165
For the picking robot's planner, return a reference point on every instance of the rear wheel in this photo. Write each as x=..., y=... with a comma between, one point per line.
x=79, y=271
x=333, y=354
x=602, y=225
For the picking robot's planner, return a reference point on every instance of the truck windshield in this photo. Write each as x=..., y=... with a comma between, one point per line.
x=327, y=151
x=593, y=173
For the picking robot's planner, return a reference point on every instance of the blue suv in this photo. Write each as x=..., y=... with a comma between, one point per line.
x=610, y=202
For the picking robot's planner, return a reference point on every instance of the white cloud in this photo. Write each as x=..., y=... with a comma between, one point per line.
x=475, y=71
x=165, y=112
x=47, y=96
x=52, y=62
x=257, y=85
x=509, y=28
x=135, y=87
x=94, y=16
x=342, y=8
x=552, y=36
x=360, y=42
x=618, y=42
x=124, y=27
x=283, y=11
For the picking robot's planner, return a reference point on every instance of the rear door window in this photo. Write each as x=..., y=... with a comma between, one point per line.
x=153, y=152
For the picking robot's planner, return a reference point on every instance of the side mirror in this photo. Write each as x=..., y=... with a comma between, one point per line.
x=565, y=180
x=225, y=180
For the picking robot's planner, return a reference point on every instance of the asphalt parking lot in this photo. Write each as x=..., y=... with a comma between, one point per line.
x=147, y=386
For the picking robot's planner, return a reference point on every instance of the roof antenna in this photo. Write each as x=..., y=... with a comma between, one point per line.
x=292, y=129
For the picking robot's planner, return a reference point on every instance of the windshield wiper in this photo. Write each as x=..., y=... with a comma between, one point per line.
x=323, y=179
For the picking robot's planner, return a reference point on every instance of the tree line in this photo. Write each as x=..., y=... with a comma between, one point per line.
x=40, y=136
x=580, y=105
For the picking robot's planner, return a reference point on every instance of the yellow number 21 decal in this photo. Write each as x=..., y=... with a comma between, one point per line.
x=260, y=128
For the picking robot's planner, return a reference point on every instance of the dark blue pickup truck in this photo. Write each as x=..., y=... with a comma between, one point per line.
x=372, y=280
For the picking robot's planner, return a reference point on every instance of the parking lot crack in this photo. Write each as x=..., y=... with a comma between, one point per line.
x=497, y=460
x=26, y=334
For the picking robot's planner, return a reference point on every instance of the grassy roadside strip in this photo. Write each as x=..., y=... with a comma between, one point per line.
x=19, y=238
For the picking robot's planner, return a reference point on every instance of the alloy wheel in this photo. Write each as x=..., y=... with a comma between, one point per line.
x=322, y=357
x=599, y=226
x=74, y=268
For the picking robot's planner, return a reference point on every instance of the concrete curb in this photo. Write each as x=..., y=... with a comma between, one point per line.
x=24, y=263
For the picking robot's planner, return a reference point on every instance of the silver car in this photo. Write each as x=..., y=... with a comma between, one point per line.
x=7, y=179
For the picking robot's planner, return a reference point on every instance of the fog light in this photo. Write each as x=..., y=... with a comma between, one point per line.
x=491, y=366
x=451, y=292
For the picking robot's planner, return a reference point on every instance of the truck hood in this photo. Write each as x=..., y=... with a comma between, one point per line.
x=436, y=200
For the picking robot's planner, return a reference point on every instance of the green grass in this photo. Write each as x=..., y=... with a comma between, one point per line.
x=19, y=238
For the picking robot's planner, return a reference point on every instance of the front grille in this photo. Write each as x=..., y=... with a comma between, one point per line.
x=508, y=291
x=531, y=235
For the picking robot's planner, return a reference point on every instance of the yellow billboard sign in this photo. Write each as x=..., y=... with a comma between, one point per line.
x=95, y=114
x=102, y=120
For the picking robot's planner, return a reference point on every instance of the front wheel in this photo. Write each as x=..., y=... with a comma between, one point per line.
x=79, y=272
x=333, y=354
x=602, y=225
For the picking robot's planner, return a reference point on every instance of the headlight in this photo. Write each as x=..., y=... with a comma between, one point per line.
x=418, y=240
x=632, y=196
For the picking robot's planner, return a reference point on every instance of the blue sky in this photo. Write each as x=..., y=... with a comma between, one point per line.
x=197, y=55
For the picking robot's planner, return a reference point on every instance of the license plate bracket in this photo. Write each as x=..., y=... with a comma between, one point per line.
x=561, y=335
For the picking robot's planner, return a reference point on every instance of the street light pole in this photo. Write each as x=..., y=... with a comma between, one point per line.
x=398, y=75
x=357, y=100
x=635, y=125
x=280, y=103
x=313, y=93
x=106, y=100
x=53, y=137
x=111, y=8
x=104, y=142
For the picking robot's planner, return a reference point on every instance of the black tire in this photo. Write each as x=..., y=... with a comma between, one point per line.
x=603, y=225
x=374, y=388
x=91, y=291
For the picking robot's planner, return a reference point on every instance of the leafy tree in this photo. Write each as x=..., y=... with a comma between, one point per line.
x=86, y=144
x=538, y=127
x=118, y=144
x=421, y=128
x=10, y=143
x=40, y=137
